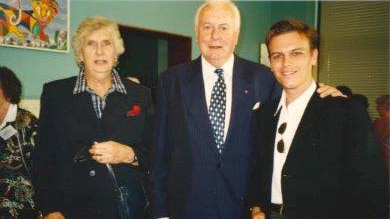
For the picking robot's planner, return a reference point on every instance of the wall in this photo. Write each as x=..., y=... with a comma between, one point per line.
x=303, y=10
x=35, y=68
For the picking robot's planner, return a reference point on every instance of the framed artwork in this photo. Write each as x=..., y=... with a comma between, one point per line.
x=35, y=24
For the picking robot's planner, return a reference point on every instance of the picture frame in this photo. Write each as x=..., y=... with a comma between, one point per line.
x=35, y=24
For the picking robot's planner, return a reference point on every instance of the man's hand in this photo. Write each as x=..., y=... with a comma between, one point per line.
x=111, y=152
x=54, y=215
x=257, y=213
x=326, y=90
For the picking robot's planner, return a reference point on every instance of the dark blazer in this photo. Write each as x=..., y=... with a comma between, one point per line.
x=333, y=168
x=68, y=126
x=185, y=178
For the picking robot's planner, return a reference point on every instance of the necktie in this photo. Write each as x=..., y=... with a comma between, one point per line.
x=217, y=109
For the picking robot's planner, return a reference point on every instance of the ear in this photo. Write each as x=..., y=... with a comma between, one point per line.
x=314, y=57
x=80, y=56
x=236, y=35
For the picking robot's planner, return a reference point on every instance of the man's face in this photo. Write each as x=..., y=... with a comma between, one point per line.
x=98, y=54
x=216, y=34
x=292, y=61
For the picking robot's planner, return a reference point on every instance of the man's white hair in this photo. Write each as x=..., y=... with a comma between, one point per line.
x=211, y=3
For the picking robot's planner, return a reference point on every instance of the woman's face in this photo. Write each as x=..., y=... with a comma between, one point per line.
x=98, y=54
x=3, y=98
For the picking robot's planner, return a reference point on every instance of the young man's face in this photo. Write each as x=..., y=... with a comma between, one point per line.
x=292, y=61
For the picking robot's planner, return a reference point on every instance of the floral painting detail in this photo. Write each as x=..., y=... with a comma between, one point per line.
x=35, y=24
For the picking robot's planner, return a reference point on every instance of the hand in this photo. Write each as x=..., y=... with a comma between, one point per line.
x=54, y=215
x=111, y=152
x=257, y=213
x=326, y=90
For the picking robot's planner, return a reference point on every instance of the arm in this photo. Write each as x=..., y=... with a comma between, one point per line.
x=160, y=158
x=256, y=194
x=44, y=162
x=369, y=192
x=111, y=152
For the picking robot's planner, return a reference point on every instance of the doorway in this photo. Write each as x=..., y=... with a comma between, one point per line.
x=150, y=52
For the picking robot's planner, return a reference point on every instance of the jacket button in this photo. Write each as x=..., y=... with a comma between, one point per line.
x=92, y=173
x=219, y=165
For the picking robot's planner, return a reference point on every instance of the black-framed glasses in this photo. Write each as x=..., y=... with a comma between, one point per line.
x=280, y=144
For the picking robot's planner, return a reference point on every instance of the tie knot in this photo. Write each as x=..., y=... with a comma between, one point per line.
x=219, y=72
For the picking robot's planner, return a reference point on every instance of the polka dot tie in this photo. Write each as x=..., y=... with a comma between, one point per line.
x=217, y=109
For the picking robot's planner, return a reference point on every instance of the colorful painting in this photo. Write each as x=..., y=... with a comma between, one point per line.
x=35, y=24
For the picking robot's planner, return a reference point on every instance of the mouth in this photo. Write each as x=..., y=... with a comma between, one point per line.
x=100, y=62
x=287, y=73
x=215, y=47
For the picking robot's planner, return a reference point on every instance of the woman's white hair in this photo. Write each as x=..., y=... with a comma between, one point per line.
x=92, y=24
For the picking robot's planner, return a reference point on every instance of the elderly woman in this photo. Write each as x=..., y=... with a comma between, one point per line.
x=17, y=142
x=94, y=132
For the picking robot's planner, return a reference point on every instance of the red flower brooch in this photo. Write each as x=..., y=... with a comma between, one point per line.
x=134, y=111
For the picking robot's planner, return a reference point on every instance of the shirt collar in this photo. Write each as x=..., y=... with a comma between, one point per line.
x=227, y=66
x=81, y=83
x=301, y=100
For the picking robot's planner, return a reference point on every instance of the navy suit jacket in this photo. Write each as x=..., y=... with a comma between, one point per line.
x=333, y=168
x=185, y=178
x=69, y=126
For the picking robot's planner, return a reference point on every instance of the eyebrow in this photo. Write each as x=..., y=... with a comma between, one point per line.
x=293, y=50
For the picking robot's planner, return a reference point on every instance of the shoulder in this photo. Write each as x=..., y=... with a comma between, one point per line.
x=26, y=117
x=180, y=69
x=253, y=67
x=341, y=107
x=61, y=84
x=260, y=74
x=135, y=88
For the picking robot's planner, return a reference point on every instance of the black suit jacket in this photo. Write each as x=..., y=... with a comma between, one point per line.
x=69, y=126
x=333, y=168
x=185, y=177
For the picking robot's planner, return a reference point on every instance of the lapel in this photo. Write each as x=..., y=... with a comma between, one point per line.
x=306, y=129
x=241, y=90
x=81, y=108
x=195, y=101
x=269, y=129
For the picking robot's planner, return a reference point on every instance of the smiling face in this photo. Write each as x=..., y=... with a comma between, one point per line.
x=292, y=61
x=217, y=34
x=98, y=54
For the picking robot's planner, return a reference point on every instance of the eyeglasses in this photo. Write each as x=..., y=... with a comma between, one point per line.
x=280, y=145
x=82, y=155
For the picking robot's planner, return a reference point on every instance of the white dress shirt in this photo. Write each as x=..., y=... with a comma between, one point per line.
x=209, y=79
x=292, y=115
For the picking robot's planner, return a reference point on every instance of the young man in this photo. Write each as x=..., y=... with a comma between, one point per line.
x=316, y=158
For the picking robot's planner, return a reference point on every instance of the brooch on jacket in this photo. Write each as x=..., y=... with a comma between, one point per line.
x=134, y=111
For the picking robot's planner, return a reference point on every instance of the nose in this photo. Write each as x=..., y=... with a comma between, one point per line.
x=287, y=60
x=215, y=33
x=99, y=49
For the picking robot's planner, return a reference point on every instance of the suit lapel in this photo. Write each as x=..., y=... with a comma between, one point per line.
x=269, y=129
x=82, y=107
x=241, y=90
x=195, y=101
x=305, y=128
